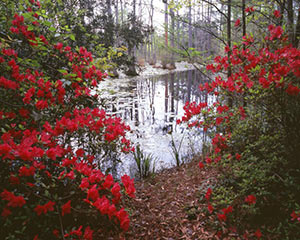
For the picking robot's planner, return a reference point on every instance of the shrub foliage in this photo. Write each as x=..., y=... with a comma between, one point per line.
x=53, y=134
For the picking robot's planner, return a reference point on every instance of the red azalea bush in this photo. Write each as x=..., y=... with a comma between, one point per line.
x=255, y=135
x=53, y=135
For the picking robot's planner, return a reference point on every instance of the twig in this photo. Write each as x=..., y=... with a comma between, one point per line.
x=61, y=224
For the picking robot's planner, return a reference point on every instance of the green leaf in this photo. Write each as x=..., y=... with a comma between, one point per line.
x=47, y=23
x=27, y=15
x=30, y=28
x=72, y=37
x=52, y=29
x=62, y=70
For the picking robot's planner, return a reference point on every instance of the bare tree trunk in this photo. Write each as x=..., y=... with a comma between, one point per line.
x=117, y=11
x=148, y=48
x=165, y=58
x=190, y=43
x=244, y=20
x=166, y=24
x=178, y=31
x=108, y=2
x=290, y=21
x=183, y=34
x=172, y=37
x=134, y=9
x=297, y=31
x=154, y=49
x=282, y=10
x=122, y=12
x=132, y=49
x=229, y=31
x=141, y=9
x=229, y=45
x=117, y=21
x=151, y=44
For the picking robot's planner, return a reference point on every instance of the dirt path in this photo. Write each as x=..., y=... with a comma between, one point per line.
x=166, y=206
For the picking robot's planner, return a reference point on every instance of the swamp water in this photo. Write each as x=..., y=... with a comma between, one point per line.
x=150, y=106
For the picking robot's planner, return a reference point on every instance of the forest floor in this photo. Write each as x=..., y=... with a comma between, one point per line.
x=167, y=207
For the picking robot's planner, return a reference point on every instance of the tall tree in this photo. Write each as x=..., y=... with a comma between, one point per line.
x=172, y=62
x=190, y=42
x=166, y=22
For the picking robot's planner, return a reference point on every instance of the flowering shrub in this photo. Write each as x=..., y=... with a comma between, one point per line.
x=254, y=132
x=52, y=135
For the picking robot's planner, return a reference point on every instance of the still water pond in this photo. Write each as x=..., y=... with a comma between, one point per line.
x=150, y=106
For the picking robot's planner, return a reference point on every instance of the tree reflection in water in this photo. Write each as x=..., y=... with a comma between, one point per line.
x=150, y=106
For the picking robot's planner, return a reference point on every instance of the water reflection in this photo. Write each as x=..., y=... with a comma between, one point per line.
x=151, y=106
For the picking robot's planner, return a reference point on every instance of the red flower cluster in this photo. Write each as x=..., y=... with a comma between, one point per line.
x=42, y=156
x=13, y=200
x=250, y=199
x=237, y=23
x=208, y=194
x=223, y=216
x=274, y=67
x=249, y=9
x=66, y=208
x=39, y=209
x=295, y=216
x=129, y=185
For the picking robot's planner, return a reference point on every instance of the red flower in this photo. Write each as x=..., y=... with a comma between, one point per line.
x=24, y=113
x=123, y=218
x=295, y=216
x=258, y=234
x=116, y=190
x=201, y=165
x=242, y=113
x=77, y=232
x=13, y=201
x=26, y=172
x=125, y=224
x=112, y=210
x=208, y=160
x=129, y=185
x=41, y=104
x=227, y=210
x=88, y=233
x=222, y=217
x=84, y=183
x=66, y=208
x=58, y=46
x=237, y=23
x=39, y=209
x=55, y=233
x=237, y=156
x=14, y=180
x=102, y=204
x=210, y=208
x=292, y=90
x=208, y=194
x=227, y=49
x=250, y=199
x=249, y=9
x=93, y=193
x=109, y=181
x=277, y=14
x=5, y=213
x=14, y=30
x=80, y=152
x=219, y=120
